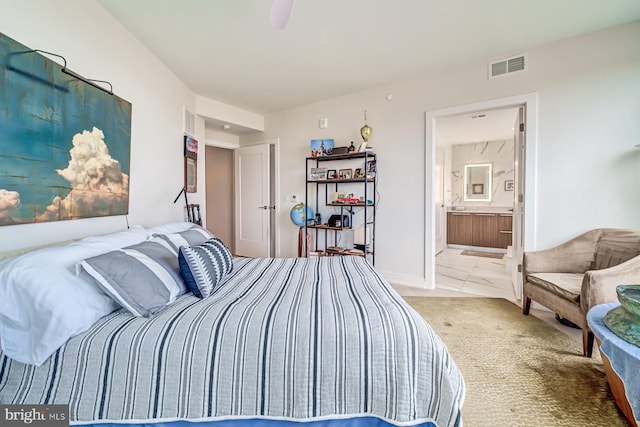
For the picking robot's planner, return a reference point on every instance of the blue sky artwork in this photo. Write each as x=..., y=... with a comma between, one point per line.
x=64, y=144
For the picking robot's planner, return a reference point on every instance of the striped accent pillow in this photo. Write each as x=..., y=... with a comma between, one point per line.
x=194, y=236
x=204, y=266
x=142, y=278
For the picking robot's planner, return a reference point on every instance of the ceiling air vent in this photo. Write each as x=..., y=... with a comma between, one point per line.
x=507, y=66
x=189, y=122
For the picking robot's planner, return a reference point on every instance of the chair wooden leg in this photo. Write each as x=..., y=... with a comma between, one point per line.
x=526, y=304
x=587, y=343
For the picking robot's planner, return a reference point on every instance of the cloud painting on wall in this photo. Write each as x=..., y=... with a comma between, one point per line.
x=64, y=145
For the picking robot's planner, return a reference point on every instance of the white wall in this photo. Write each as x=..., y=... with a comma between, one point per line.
x=588, y=107
x=96, y=46
x=588, y=170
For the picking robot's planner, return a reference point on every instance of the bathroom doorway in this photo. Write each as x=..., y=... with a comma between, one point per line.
x=521, y=185
x=476, y=146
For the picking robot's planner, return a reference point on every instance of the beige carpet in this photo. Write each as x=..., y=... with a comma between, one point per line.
x=483, y=254
x=518, y=370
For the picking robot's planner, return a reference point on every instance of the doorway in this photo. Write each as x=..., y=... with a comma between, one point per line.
x=225, y=212
x=219, y=193
x=476, y=200
x=256, y=184
x=525, y=168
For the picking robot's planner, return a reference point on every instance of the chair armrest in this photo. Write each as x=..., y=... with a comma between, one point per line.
x=599, y=286
x=573, y=256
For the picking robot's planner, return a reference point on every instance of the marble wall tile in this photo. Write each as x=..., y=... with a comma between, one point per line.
x=500, y=154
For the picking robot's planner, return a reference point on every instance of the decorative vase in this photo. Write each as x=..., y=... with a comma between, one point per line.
x=624, y=321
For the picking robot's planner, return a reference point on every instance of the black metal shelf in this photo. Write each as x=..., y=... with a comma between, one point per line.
x=338, y=181
x=356, y=155
x=350, y=205
x=326, y=227
x=369, y=184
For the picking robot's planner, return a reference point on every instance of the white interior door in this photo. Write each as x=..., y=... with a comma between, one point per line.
x=518, y=202
x=252, y=201
x=440, y=209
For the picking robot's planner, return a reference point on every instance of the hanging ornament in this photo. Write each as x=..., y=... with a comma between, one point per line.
x=365, y=131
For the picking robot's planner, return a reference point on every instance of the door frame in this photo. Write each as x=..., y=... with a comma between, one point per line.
x=530, y=100
x=274, y=171
x=228, y=146
x=441, y=215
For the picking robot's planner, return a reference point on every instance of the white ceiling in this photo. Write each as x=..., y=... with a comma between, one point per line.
x=479, y=126
x=227, y=51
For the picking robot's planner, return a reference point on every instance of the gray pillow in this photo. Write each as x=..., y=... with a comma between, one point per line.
x=194, y=236
x=142, y=278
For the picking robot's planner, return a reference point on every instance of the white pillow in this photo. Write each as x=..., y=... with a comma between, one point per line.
x=43, y=302
x=175, y=227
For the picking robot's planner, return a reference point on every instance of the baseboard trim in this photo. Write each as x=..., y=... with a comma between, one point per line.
x=478, y=249
x=405, y=280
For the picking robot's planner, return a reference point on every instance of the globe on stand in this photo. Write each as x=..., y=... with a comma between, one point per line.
x=301, y=215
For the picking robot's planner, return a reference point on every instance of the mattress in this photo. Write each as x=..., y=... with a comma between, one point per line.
x=322, y=341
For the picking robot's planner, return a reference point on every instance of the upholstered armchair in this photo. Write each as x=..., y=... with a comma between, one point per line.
x=581, y=273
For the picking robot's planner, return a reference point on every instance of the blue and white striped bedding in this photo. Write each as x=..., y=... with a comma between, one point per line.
x=314, y=340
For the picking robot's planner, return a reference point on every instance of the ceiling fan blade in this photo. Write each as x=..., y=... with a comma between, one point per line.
x=280, y=12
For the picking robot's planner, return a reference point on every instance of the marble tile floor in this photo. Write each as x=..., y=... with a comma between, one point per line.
x=471, y=276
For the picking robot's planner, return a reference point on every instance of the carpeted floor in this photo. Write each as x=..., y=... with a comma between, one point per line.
x=518, y=370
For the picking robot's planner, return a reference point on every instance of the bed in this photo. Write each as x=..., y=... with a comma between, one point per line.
x=278, y=342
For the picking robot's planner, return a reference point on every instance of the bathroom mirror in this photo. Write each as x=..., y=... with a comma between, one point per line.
x=477, y=182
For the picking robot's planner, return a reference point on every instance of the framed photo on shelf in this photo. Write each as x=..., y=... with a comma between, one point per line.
x=358, y=173
x=332, y=174
x=344, y=174
x=321, y=147
x=318, y=174
x=371, y=169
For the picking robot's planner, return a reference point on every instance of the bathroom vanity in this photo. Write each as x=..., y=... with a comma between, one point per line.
x=481, y=228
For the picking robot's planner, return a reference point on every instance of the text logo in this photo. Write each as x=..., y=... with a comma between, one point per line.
x=34, y=415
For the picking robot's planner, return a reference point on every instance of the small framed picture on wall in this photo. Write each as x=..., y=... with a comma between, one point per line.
x=508, y=185
x=190, y=175
x=190, y=147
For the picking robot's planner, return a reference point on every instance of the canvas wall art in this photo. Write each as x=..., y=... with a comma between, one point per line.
x=64, y=144
x=321, y=147
x=190, y=147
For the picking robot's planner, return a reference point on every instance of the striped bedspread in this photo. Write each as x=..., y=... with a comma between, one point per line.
x=291, y=339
